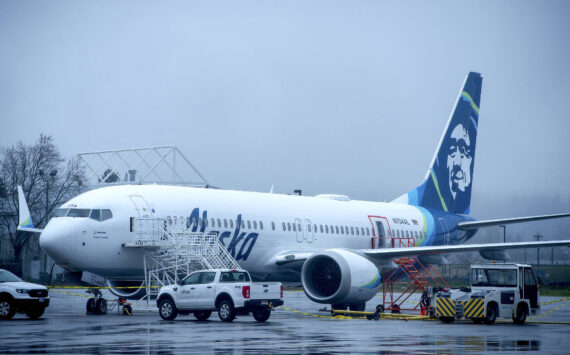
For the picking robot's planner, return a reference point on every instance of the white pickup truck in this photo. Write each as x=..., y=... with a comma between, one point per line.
x=22, y=297
x=230, y=292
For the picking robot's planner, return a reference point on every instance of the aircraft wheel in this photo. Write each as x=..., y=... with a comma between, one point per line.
x=90, y=306
x=101, y=306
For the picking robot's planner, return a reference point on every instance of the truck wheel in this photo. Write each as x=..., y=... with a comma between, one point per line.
x=491, y=315
x=226, y=311
x=35, y=312
x=167, y=309
x=261, y=315
x=7, y=308
x=203, y=315
x=520, y=316
x=101, y=306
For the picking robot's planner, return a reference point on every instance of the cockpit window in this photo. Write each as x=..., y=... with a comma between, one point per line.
x=61, y=212
x=96, y=215
x=106, y=214
x=78, y=212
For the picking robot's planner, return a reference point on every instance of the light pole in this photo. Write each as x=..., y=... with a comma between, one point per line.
x=538, y=236
x=504, y=240
x=52, y=175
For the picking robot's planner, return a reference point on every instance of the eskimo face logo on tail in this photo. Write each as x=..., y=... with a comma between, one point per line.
x=239, y=246
x=459, y=160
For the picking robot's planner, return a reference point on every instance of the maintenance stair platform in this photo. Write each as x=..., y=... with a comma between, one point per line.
x=171, y=251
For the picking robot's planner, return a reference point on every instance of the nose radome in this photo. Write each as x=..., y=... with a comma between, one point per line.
x=52, y=241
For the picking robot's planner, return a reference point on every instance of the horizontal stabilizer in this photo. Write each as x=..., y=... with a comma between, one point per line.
x=496, y=222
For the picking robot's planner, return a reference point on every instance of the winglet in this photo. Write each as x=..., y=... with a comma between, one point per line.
x=25, y=223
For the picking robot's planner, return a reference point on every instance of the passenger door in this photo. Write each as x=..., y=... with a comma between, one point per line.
x=205, y=291
x=186, y=295
x=530, y=287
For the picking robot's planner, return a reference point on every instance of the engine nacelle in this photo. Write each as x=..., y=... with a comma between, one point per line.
x=127, y=289
x=338, y=276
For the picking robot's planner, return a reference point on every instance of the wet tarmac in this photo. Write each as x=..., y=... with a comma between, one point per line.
x=301, y=328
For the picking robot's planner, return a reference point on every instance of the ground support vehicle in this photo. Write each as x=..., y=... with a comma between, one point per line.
x=497, y=291
x=17, y=296
x=230, y=292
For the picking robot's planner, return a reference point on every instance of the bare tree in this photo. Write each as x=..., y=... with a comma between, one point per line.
x=47, y=181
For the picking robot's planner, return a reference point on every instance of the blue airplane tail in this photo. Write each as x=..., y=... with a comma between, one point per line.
x=447, y=184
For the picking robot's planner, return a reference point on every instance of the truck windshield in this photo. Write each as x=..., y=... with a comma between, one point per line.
x=234, y=276
x=494, y=277
x=7, y=276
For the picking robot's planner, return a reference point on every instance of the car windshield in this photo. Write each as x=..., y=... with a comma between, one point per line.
x=494, y=277
x=7, y=276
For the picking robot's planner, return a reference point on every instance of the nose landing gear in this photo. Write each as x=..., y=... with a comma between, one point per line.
x=98, y=305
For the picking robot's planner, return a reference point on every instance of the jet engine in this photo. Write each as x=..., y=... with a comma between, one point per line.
x=341, y=278
x=127, y=289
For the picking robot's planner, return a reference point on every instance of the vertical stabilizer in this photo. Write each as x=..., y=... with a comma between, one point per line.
x=25, y=217
x=447, y=184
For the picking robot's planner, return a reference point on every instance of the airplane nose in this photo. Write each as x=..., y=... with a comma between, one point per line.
x=54, y=240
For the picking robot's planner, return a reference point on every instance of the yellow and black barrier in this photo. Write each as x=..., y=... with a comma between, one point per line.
x=474, y=308
x=444, y=307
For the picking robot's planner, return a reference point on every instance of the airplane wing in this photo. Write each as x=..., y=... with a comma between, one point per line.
x=25, y=223
x=295, y=259
x=496, y=222
x=383, y=255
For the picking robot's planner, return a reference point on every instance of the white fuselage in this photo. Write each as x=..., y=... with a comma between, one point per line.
x=270, y=226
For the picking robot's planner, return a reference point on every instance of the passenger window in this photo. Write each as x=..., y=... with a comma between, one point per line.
x=219, y=223
x=231, y=223
x=357, y=231
x=336, y=229
x=261, y=225
x=300, y=229
x=213, y=223
x=308, y=227
x=225, y=223
x=254, y=224
x=327, y=228
x=192, y=279
x=284, y=228
x=248, y=224
x=294, y=227
x=341, y=229
x=367, y=231
x=321, y=228
x=288, y=226
x=352, y=230
x=96, y=215
x=207, y=277
x=272, y=225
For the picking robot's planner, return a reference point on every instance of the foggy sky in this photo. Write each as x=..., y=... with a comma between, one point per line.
x=331, y=97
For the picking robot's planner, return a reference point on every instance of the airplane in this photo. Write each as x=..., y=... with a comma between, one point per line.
x=335, y=246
